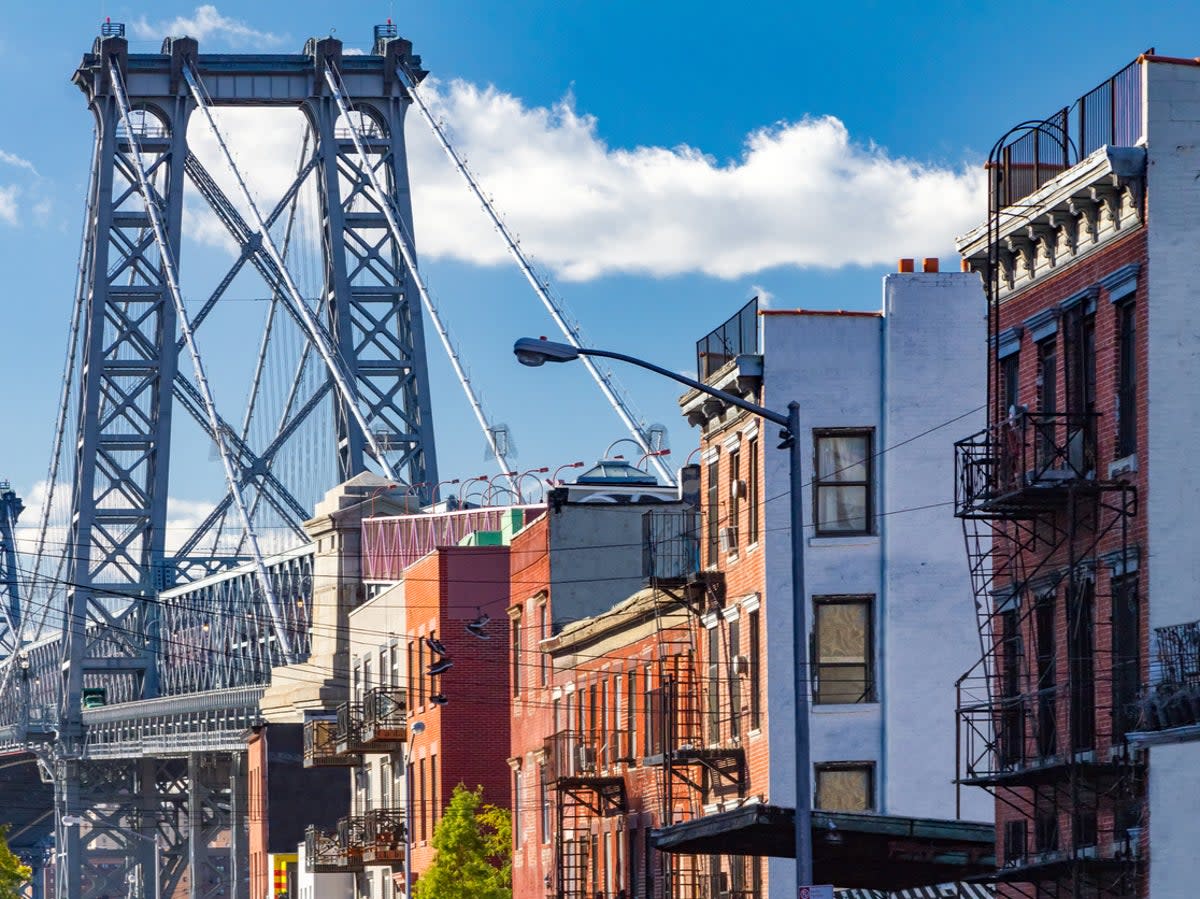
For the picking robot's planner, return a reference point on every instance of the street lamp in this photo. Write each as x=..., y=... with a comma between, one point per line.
x=533, y=352
x=75, y=820
x=414, y=730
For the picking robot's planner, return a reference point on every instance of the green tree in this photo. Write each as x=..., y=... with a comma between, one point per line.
x=473, y=842
x=12, y=873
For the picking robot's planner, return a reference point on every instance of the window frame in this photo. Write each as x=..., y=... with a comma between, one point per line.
x=753, y=451
x=1127, y=380
x=871, y=695
x=820, y=483
x=823, y=767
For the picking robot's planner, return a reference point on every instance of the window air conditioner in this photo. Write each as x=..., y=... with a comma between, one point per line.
x=737, y=489
x=728, y=539
x=741, y=665
x=586, y=756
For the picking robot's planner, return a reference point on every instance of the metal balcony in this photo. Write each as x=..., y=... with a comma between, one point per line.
x=670, y=547
x=577, y=756
x=320, y=746
x=337, y=852
x=385, y=720
x=1173, y=698
x=1025, y=465
x=384, y=839
x=348, y=735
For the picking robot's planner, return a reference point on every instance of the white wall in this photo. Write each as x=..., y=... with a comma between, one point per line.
x=925, y=360
x=1174, y=787
x=1172, y=506
x=935, y=370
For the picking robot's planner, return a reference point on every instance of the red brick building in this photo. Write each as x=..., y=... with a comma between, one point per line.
x=598, y=646
x=1084, y=315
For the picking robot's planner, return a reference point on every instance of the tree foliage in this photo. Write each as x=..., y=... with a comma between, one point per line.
x=473, y=842
x=12, y=873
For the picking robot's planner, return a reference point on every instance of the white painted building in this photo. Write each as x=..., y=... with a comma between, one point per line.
x=883, y=395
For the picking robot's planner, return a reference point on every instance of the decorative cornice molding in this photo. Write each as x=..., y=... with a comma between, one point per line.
x=1043, y=324
x=1086, y=298
x=1089, y=205
x=1122, y=282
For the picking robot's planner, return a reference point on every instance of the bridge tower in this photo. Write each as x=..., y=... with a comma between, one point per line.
x=11, y=508
x=138, y=370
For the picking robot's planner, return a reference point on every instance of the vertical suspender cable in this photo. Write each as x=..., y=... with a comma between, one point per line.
x=603, y=379
x=401, y=236
x=319, y=338
x=171, y=275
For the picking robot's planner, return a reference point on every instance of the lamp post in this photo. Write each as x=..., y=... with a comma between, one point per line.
x=414, y=730
x=76, y=820
x=533, y=352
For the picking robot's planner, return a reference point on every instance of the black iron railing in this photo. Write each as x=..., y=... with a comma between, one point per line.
x=1009, y=466
x=1109, y=114
x=574, y=754
x=1173, y=698
x=338, y=850
x=670, y=545
x=321, y=745
x=384, y=836
x=348, y=735
x=737, y=335
x=385, y=718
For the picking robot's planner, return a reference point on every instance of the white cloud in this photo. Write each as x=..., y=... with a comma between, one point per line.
x=765, y=297
x=207, y=23
x=8, y=204
x=19, y=161
x=801, y=194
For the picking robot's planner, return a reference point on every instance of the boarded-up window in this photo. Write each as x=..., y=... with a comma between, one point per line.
x=845, y=787
x=843, y=650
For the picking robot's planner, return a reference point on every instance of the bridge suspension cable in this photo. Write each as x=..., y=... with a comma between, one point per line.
x=603, y=378
x=404, y=242
x=170, y=274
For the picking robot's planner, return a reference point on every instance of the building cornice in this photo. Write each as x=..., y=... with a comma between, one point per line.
x=1089, y=205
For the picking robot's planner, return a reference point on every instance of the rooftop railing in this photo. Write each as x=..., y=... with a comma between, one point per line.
x=737, y=335
x=1110, y=114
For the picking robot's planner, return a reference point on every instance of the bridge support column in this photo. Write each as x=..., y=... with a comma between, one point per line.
x=239, y=849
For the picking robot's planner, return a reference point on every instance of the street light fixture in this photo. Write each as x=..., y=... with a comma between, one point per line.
x=76, y=820
x=534, y=352
x=414, y=730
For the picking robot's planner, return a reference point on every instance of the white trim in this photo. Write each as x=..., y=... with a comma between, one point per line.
x=751, y=603
x=709, y=620
x=731, y=443
x=730, y=613
x=710, y=455
x=858, y=540
x=751, y=432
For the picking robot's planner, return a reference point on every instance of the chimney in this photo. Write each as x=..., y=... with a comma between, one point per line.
x=930, y=265
x=906, y=265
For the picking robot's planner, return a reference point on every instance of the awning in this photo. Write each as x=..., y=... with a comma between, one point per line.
x=874, y=852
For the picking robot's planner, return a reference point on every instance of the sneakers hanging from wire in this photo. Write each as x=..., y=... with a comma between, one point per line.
x=476, y=628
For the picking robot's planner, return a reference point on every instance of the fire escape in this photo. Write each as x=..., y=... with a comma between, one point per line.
x=378, y=724
x=694, y=730
x=1043, y=714
x=583, y=768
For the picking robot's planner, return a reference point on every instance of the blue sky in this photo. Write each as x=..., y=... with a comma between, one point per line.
x=664, y=160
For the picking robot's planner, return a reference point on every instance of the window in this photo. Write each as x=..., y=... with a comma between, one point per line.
x=1010, y=375
x=517, y=830
x=736, y=488
x=735, y=682
x=543, y=664
x=516, y=656
x=356, y=687
x=1126, y=651
x=1047, y=704
x=422, y=800
x=1014, y=841
x=385, y=782
x=412, y=681
x=843, y=650
x=845, y=786
x=544, y=804
x=1047, y=400
x=435, y=792
x=1081, y=663
x=394, y=651
x=421, y=672
x=755, y=672
x=752, y=491
x=631, y=711
x=1127, y=385
x=714, y=685
x=842, y=482
x=367, y=682
x=713, y=511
